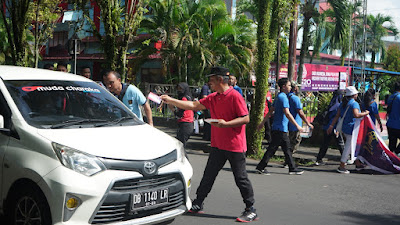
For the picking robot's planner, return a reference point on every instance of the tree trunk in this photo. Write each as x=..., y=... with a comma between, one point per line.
x=264, y=49
x=304, y=49
x=278, y=58
x=342, y=59
x=373, y=60
x=292, y=46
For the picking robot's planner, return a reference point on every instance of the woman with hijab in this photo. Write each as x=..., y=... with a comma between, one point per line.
x=349, y=109
x=185, y=117
x=332, y=110
x=370, y=105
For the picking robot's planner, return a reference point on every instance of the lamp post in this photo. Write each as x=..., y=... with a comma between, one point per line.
x=74, y=48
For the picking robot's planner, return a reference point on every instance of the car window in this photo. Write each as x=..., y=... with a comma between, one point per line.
x=46, y=103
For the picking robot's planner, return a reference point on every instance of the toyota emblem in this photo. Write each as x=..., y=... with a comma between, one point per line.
x=149, y=167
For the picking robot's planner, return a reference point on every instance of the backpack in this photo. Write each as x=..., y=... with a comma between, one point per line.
x=322, y=117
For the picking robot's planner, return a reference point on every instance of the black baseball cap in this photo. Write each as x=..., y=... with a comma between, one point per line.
x=218, y=70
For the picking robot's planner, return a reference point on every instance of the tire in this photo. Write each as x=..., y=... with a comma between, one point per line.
x=28, y=206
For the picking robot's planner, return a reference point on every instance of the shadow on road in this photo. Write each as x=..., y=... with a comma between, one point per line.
x=370, y=219
x=210, y=216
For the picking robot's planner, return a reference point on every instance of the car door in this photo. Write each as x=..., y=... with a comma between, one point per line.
x=5, y=112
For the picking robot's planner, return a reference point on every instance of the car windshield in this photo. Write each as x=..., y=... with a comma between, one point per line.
x=57, y=104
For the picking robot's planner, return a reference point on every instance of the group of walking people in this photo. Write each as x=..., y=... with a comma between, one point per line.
x=228, y=138
x=340, y=119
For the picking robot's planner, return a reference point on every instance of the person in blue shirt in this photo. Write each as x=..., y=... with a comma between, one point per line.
x=130, y=95
x=370, y=105
x=279, y=134
x=350, y=110
x=296, y=109
x=393, y=122
x=332, y=110
x=233, y=83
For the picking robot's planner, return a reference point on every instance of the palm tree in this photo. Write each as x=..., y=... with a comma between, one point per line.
x=197, y=35
x=375, y=31
x=309, y=12
x=351, y=17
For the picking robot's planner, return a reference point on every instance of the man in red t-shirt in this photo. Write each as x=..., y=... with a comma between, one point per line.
x=228, y=139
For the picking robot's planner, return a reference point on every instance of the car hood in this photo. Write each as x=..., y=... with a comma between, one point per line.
x=140, y=142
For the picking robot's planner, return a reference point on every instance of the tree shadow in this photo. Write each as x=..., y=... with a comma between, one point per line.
x=370, y=219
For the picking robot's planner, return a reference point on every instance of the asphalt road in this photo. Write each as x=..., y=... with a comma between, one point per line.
x=319, y=196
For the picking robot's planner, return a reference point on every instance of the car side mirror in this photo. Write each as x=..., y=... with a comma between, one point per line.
x=1, y=121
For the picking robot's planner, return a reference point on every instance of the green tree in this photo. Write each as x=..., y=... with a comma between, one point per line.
x=392, y=58
x=17, y=17
x=308, y=11
x=5, y=50
x=375, y=32
x=310, y=15
x=195, y=36
x=45, y=14
x=121, y=19
x=271, y=15
x=16, y=26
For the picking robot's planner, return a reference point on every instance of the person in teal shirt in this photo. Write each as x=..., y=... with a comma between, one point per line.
x=130, y=95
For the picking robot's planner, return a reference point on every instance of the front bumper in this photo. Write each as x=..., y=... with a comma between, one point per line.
x=106, y=197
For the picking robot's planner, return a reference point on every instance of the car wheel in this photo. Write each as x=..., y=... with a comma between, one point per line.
x=29, y=206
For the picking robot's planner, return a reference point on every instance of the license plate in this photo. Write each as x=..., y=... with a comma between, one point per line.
x=149, y=198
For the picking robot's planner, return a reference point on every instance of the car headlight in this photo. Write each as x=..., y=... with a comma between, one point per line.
x=181, y=153
x=77, y=161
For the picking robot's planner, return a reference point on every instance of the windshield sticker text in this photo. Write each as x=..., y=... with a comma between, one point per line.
x=60, y=88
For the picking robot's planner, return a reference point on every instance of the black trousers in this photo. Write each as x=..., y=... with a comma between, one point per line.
x=279, y=138
x=185, y=129
x=267, y=132
x=325, y=144
x=215, y=162
x=394, y=135
x=207, y=126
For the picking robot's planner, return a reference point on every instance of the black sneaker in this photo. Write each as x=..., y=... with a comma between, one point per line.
x=263, y=172
x=319, y=163
x=196, y=207
x=296, y=172
x=248, y=215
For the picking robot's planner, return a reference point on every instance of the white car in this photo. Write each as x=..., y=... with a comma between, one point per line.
x=72, y=153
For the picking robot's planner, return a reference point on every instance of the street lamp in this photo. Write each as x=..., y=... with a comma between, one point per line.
x=74, y=47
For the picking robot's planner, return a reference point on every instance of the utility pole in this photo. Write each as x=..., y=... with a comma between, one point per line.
x=359, y=79
x=362, y=78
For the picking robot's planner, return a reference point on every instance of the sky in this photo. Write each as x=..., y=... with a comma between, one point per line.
x=385, y=7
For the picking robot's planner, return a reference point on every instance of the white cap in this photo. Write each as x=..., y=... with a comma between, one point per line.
x=350, y=91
